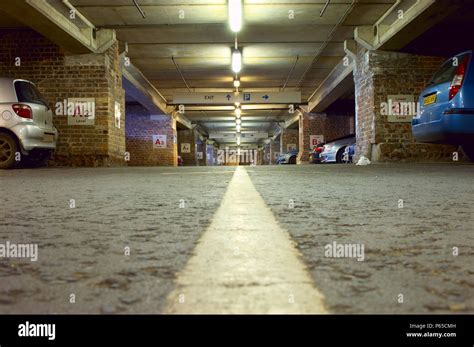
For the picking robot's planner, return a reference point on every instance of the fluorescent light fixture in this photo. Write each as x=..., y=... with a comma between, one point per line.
x=238, y=121
x=238, y=112
x=236, y=83
x=238, y=141
x=237, y=127
x=235, y=15
x=236, y=61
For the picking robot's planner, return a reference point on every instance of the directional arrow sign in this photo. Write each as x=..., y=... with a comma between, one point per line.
x=270, y=98
x=199, y=98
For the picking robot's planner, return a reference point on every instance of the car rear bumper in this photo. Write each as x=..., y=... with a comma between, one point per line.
x=33, y=137
x=454, y=127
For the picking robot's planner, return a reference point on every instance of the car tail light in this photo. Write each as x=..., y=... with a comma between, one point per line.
x=458, y=78
x=22, y=110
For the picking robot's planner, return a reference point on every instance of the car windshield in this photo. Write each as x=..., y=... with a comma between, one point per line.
x=27, y=92
x=447, y=70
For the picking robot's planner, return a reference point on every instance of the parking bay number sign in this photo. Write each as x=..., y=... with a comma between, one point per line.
x=159, y=141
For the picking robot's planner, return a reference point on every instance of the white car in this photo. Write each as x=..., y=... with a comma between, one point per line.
x=26, y=124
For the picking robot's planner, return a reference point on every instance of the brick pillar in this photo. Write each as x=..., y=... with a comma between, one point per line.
x=28, y=55
x=266, y=154
x=274, y=151
x=304, y=133
x=289, y=137
x=189, y=139
x=377, y=75
x=142, y=131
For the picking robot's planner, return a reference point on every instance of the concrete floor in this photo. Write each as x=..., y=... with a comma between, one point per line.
x=81, y=250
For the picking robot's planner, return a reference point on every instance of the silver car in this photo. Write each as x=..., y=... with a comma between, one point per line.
x=333, y=152
x=26, y=124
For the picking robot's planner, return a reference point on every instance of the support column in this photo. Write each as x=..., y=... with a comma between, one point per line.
x=151, y=139
x=62, y=79
x=378, y=75
x=304, y=133
x=289, y=140
x=187, y=146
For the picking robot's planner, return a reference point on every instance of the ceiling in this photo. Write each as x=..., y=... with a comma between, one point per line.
x=197, y=35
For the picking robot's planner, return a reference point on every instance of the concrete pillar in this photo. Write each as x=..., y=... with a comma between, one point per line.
x=61, y=78
x=378, y=75
x=150, y=139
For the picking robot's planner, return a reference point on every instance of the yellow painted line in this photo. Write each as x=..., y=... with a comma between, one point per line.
x=244, y=262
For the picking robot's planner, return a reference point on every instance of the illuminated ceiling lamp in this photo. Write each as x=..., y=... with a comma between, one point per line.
x=236, y=83
x=238, y=121
x=237, y=128
x=238, y=112
x=236, y=61
x=235, y=15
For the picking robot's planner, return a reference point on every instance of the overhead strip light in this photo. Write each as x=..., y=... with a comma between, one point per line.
x=235, y=15
x=236, y=61
x=238, y=112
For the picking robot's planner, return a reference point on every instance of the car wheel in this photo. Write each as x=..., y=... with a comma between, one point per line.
x=339, y=155
x=469, y=151
x=292, y=161
x=8, y=149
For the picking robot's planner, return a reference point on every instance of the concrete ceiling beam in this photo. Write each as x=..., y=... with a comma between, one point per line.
x=50, y=21
x=338, y=82
x=403, y=22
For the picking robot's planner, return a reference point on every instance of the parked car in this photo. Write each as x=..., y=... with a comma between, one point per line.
x=26, y=124
x=315, y=153
x=288, y=158
x=333, y=152
x=446, y=105
x=348, y=154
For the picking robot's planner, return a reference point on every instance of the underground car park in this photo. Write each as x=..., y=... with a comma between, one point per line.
x=237, y=157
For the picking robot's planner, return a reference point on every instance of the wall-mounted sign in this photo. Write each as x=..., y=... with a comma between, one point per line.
x=118, y=114
x=81, y=111
x=199, y=155
x=401, y=108
x=290, y=147
x=220, y=98
x=159, y=141
x=314, y=140
x=185, y=148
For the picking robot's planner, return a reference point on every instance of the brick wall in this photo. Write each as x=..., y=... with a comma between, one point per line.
x=59, y=76
x=331, y=127
x=288, y=136
x=377, y=75
x=140, y=127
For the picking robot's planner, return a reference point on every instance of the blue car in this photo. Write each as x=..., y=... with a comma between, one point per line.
x=446, y=106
